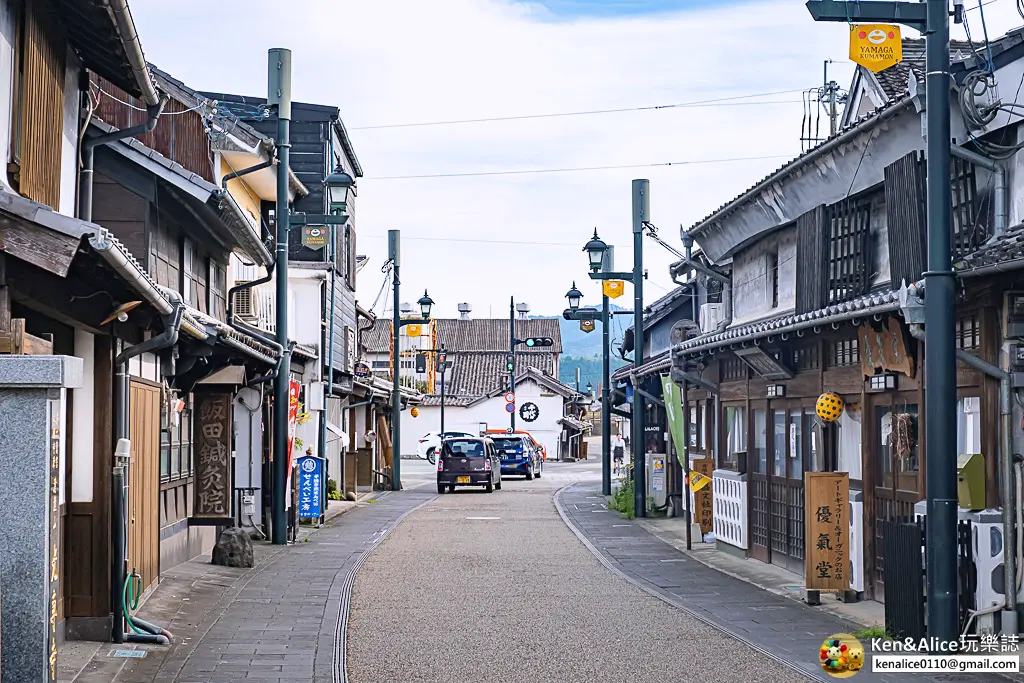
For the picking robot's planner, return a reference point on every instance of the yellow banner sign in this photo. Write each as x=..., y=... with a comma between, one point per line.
x=613, y=289
x=587, y=325
x=412, y=330
x=875, y=46
x=698, y=481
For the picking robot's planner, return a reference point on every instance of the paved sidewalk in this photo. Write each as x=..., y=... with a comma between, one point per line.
x=276, y=622
x=789, y=631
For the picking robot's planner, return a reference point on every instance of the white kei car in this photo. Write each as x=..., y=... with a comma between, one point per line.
x=431, y=441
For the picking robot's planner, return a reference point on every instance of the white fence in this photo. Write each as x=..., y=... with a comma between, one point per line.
x=730, y=506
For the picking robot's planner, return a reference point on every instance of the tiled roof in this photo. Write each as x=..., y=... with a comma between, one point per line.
x=491, y=334
x=477, y=373
x=573, y=423
x=894, y=80
x=869, y=304
x=449, y=401
x=651, y=365
x=377, y=339
x=1006, y=250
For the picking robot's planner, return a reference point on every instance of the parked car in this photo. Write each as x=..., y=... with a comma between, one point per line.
x=519, y=455
x=469, y=461
x=539, y=446
x=428, y=445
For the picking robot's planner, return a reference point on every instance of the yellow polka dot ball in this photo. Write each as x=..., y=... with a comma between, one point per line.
x=829, y=407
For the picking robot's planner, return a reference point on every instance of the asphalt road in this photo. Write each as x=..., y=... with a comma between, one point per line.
x=494, y=587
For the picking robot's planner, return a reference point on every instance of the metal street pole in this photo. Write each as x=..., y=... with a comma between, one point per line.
x=394, y=239
x=279, y=92
x=443, y=363
x=932, y=19
x=606, y=396
x=641, y=214
x=940, y=352
x=512, y=354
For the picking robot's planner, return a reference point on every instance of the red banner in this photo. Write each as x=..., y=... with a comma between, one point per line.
x=293, y=412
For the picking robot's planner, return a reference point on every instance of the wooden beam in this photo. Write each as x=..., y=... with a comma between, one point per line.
x=50, y=250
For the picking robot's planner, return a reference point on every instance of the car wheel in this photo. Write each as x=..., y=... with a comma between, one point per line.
x=490, y=485
x=440, y=488
x=529, y=475
x=451, y=488
x=537, y=474
x=498, y=485
x=430, y=455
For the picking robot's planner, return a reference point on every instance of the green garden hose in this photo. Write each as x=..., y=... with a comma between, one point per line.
x=130, y=597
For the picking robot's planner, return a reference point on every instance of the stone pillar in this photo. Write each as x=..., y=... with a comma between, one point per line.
x=30, y=428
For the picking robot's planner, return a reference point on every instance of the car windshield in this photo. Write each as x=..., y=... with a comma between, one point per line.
x=509, y=444
x=465, y=449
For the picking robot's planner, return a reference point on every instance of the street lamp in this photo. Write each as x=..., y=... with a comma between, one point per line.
x=574, y=295
x=590, y=389
x=595, y=249
x=425, y=303
x=340, y=187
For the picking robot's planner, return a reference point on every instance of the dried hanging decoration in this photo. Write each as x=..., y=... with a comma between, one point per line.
x=903, y=438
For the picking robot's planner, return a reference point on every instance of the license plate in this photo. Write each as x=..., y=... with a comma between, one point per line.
x=462, y=480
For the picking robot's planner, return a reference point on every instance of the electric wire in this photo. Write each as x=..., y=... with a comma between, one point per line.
x=578, y=169
x=681, y=105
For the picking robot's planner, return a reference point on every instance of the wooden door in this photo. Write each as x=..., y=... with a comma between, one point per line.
x=144, y=483
x=897, y=472
x=760, y=480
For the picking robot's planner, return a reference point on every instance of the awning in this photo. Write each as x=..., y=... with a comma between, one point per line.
x=339, y=432
x=573, y=423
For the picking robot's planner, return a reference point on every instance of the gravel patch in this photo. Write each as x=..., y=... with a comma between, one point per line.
x=445, y=598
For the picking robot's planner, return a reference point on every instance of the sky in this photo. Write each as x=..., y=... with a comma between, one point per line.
x=481, y=239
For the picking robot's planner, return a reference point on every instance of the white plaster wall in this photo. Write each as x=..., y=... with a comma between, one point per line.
x=7, y=33
x=751, y=286
x=83, y=402
x=304, y=311
x=69, y=144
x=249, y=444
x=492, y=411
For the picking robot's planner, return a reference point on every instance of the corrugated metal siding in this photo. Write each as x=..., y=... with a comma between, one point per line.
x=905, y=215
x=812, y=255
x=42, y=107
x=181, y=138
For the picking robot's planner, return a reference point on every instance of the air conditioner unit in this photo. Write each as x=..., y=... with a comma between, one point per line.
x=265, y=310
x=711, y=316
x=244, y=307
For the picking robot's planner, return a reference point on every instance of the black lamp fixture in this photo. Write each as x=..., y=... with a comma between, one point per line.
x=340, y=188
x=425, y=303
x=574, y=295
x=595, y=249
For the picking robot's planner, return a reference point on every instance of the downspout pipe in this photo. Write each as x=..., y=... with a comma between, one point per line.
x=118, y=522
x=245, y=171
x=1000, y=205
x=726, y=281
x=1009, y=615
x=153, y=112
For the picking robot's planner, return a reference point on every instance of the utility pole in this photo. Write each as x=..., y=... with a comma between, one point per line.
x=833, y=116
x=442, y=363
x=641, y=215
x=394, y=244
x=932, y=19
x=279, y=93
x=512, y=355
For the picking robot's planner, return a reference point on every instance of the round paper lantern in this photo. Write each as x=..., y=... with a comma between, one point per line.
x=829, y=407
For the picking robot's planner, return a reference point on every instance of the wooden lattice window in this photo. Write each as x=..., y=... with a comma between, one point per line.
x=807, y=358
x=849, y=240
x=968, y=332
x=843, y=353
x=970, y=229
x=733, y=369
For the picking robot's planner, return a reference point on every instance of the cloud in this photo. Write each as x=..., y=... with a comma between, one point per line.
x=400, y=61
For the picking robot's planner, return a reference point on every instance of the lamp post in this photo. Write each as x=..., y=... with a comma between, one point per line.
x=597, y=252
x=425, y=303
x=338, y=187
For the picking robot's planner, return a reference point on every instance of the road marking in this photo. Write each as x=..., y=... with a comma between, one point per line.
x=483, y=517
x=622, y=525
x=681, y=559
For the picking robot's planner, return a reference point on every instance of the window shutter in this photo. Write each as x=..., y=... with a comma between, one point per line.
x=350, y=247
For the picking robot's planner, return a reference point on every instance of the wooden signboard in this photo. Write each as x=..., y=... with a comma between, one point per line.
x=212, y=435
x=885, y=349
x=828, y=530
x=703, y=501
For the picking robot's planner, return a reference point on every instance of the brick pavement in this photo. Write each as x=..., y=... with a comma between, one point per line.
x=789, y=631
x=275, y=623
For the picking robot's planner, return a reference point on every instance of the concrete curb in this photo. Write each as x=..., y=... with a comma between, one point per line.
x=670, y=600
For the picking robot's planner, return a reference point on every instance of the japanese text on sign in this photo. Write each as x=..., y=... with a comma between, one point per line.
x=310, y=483
x=703, y=496
x=53, y=535
x=827, y=529
x=213, y=454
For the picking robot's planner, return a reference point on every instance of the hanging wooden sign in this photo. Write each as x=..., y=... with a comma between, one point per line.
x=212, y=436
x=826, y=546
x=703, y=495
x=884, y=349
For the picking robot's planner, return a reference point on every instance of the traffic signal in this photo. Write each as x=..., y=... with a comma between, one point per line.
x=421, y=363
x=510, y=363
x=539, y=341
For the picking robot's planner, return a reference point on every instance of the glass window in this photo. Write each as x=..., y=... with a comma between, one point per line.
x=186, y=439
x=849, y=442
x=779, y=443
x=899, y=455
x=816, y=454
x=694, y=427
x=735, y=435
x=796, y=445
x=703, y=416
x=165, y=445
x=760, y=442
